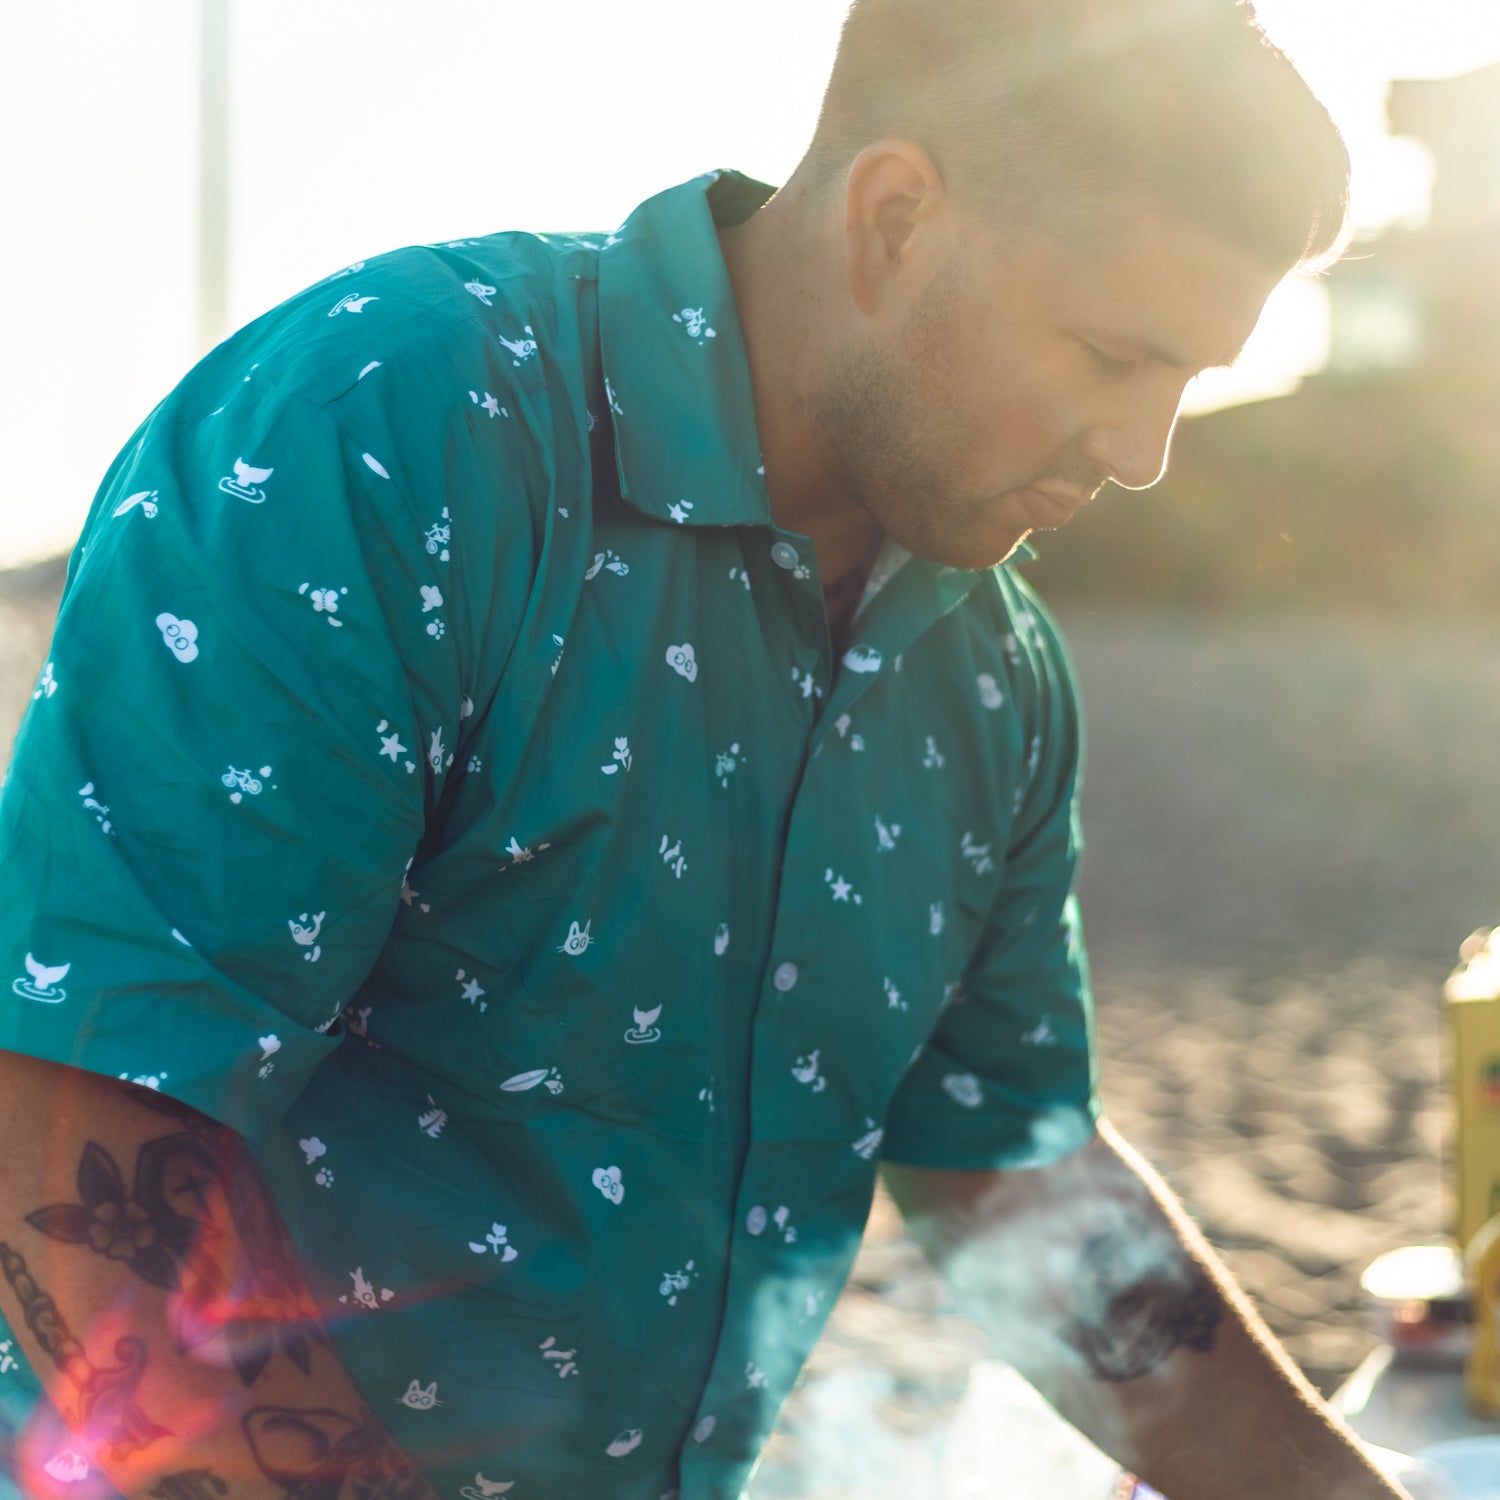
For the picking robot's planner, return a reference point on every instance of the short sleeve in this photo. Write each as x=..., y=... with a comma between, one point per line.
x=1009, y=1076
x=251, y=704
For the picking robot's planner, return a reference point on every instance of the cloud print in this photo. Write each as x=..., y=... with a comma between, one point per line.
x=180, y=635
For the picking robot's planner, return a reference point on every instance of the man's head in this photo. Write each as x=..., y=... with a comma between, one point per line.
x=1048, y=216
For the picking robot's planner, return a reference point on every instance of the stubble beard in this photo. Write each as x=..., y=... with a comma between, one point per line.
x=892, y=447
x=889, y=456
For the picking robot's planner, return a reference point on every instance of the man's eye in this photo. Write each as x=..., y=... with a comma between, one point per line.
x=1106, y=362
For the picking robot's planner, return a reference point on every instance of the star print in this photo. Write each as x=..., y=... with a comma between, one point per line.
x=471, y=991
x=679, y=512
x=491, y=405
x=390, y=744
x=841, y=889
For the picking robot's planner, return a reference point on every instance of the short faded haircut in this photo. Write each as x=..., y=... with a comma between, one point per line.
x=1040, y=105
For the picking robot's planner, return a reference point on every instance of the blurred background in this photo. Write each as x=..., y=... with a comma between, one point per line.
x=1288, y=648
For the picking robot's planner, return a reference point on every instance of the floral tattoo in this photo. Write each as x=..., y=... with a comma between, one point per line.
x=140, y=1228
x=167, y=1227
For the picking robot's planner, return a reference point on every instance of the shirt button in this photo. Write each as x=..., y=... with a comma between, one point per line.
x=785, y=977
x=784, y=555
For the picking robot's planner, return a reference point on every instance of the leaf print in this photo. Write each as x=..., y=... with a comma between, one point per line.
x=146, y=499
x=521, y=1082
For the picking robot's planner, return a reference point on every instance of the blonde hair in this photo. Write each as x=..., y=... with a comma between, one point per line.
x=1037, y=105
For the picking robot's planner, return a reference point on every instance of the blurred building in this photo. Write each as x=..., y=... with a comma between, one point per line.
x=1377, y=486
x=1427, y=300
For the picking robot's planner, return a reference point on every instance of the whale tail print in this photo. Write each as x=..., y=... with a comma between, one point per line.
x=45, y=977
x=249, y=477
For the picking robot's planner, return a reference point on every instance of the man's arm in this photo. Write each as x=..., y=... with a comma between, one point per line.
x=147, y=1273
x=1093, y=1282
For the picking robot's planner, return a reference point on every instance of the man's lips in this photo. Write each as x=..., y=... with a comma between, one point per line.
x=1050, y=509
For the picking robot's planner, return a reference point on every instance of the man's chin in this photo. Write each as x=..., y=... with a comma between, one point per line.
x=977, y=551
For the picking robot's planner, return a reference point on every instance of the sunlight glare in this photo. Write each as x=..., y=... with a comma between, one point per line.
x=361, y=125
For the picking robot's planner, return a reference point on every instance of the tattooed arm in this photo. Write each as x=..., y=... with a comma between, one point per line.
x=1096, y=1286
x=149, y=1277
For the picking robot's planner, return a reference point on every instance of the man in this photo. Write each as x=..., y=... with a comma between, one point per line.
x=547, y=777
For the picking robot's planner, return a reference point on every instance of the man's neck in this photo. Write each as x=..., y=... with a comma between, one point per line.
x=841, y=600
x=780, y=290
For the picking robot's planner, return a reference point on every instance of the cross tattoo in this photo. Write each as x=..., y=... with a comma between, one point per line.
x=195, y=1186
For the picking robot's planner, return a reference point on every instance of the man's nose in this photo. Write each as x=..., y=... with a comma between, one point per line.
x=1132, y=440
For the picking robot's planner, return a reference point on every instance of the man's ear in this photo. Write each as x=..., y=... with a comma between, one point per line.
x=895, y=203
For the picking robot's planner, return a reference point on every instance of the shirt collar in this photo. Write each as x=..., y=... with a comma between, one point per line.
x=678, y=377
x=674, y=358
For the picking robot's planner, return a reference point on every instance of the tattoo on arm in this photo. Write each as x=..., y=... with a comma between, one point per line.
x=1135, y=1314
x=164, y=1230
x=140, y=1228
x=106, y=1402
x=327, y=1455
x=191, y=1484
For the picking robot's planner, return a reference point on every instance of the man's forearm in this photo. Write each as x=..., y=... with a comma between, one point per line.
x=149, y=1278
x=1099, y=1289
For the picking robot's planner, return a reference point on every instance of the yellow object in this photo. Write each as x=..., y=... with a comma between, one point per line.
x=1482, y=1375
x=1473, y=996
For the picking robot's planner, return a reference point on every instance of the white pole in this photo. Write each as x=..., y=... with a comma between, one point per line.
x=213, y=173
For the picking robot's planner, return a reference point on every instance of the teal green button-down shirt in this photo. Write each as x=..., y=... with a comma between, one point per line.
x=441, y=775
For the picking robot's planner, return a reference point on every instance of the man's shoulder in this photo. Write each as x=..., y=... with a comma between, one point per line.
x=457, y=373
x=1030, y=629
x=437, y=309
